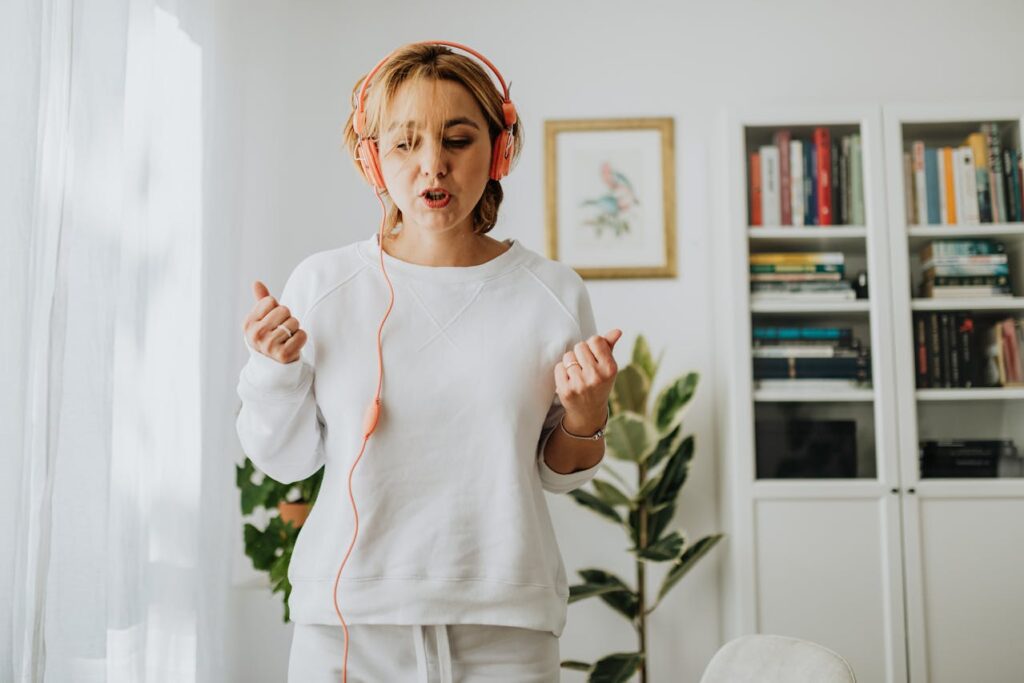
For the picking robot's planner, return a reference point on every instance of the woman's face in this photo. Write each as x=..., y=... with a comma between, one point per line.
x=437, y=139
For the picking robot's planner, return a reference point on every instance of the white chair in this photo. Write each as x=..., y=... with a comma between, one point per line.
x=776, y=659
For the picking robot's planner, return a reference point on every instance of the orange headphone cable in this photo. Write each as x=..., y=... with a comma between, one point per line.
x=369, y=424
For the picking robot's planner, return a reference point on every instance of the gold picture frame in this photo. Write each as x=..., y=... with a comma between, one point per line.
x=614, y=218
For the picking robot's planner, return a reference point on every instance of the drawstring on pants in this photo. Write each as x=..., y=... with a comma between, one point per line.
x=444, y=653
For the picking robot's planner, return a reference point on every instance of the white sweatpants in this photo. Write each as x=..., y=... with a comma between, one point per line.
x=458, y=653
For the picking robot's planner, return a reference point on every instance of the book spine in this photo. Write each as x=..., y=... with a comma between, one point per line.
x=770, y=214
x=797, y=185
x=934, y=350
x=948, y=168
x=755, y=189
x=920, y=182
x=857, y=209
x=969, y=183
x=921, y=352
x=835, y=191
x=995, y=171
x=931, y=167
x=782, y=138
x=823, y=146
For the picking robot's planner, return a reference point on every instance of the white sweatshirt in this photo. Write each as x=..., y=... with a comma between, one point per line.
x=453, y=524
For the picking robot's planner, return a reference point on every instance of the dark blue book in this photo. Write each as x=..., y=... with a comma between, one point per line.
x=931, y=181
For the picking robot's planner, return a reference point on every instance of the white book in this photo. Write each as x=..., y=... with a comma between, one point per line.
x=790, y=297
x=920, y=183
x=825, y=351
x=940, y=158
x=958, y=187
x=967, y=292
x=971, y=213
x=796, y=165
x=809, y=386
x=771, y=209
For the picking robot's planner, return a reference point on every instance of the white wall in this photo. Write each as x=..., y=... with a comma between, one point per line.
x=285, y=189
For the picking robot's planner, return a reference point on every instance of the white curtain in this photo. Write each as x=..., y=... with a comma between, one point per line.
x=116, y=559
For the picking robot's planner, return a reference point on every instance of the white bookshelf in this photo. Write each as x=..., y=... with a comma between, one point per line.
x=957, y=622
x=797, y=544
x=921, y=576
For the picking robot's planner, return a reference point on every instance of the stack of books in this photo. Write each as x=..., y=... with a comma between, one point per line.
x=979, y=181
x=964, y=268
x=970, y=458
x=957, y=350
x=799, y=276
x=815, y=181
x=809, y=357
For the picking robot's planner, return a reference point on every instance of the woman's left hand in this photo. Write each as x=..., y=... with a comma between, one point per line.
x=584, y=379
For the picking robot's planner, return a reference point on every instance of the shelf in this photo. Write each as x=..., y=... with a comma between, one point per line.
x=980, y=394
x=839, y=237
x=1005, y=303
x=811, y=395
x=810, y=307
x=919, y=235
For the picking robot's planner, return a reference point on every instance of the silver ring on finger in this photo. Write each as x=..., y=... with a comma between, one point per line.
x=287, y=331
x=572, y=363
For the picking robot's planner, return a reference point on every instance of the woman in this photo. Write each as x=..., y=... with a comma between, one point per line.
x=495, y=390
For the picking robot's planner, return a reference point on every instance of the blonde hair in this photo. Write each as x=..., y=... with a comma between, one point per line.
x=439, y=63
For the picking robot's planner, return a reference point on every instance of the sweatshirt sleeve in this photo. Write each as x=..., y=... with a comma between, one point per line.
x=279, y=425
x=552, y=481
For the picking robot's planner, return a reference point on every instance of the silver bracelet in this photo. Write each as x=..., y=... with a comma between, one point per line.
x=599, y=434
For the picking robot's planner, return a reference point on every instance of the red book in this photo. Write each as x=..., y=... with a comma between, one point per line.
x=823, y=142
x=755, y=189
x=782, y=138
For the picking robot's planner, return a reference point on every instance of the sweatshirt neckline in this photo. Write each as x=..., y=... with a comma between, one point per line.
x=498, y=265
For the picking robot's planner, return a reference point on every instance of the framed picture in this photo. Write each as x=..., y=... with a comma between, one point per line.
x=610, y=186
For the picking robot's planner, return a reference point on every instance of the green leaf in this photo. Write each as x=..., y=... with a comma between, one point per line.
x=629, y=392
x=686, y=562
x=575, y=665
x=657, y=520
x=673, y=476
x=611, y=495
x=630, y=437
x=596, y=504
x=670, y=402
x=667, y=445
x=642, y=358
x=667, y=548
x=622, y=600
x=582, y=591
x=616, y=668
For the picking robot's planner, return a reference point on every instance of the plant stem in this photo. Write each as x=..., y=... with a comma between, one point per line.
x=641, y=620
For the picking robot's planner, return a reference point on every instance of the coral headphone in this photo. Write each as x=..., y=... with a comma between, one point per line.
x=501, y=159
x=369, y=157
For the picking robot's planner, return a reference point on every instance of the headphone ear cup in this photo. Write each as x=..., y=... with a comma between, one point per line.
x=370, y=161
x=499, y=163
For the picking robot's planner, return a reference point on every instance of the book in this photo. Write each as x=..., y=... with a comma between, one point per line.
x=781, y=142
x=770, y=198
x=796, y=163
x=755, y=189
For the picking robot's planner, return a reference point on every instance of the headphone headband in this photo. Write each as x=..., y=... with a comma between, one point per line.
x=508, y=109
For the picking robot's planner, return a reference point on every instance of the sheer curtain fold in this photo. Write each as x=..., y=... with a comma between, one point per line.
x=103, y=385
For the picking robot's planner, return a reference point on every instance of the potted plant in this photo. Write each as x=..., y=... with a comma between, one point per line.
x=286, y=506
x=653, y=442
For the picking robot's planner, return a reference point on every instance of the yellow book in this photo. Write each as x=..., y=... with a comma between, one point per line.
x=796, y=258
x=947, y=156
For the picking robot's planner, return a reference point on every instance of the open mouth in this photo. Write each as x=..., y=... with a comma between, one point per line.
x=436, y=199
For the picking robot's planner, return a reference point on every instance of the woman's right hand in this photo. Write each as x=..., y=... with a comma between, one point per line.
x=262, y=332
